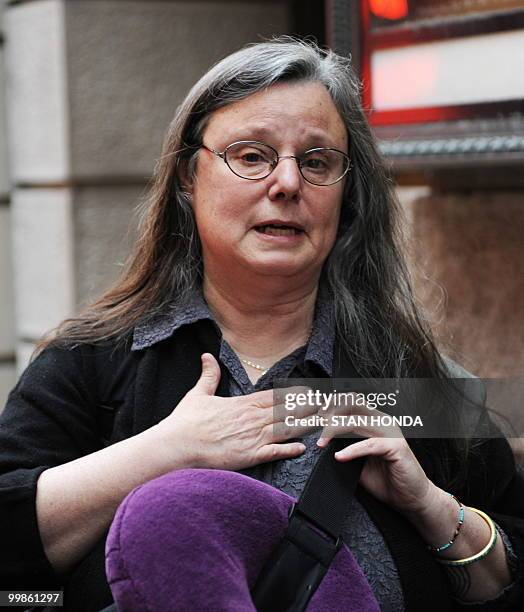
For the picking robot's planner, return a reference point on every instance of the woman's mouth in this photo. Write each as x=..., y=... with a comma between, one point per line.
x=278, y=230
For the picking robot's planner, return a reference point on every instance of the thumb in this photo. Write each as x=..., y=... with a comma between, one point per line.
x=208, y=381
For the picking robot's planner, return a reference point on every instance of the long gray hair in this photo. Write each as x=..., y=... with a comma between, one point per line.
x=376, y=317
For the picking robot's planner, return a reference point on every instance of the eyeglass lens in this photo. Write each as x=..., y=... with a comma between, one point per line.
x=253, y=160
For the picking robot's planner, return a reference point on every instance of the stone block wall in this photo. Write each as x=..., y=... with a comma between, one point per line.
x=91, y=89
x=467, y=253
x=468, y=248
x=7, y=324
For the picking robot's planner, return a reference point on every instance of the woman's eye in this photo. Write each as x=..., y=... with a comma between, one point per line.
x=315, y=163
x=252, y=157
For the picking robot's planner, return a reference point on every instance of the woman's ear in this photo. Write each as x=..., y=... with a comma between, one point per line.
x=184, y=178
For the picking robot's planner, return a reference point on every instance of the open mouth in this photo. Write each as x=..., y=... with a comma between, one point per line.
x=278, y=230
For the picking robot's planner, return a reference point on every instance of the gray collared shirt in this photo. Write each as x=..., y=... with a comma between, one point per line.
x=319, y=349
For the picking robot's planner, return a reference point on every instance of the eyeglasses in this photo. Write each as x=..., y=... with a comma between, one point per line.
x=253, y=160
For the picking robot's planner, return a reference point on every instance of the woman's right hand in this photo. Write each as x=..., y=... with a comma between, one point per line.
x=229, y=433
x=203, y=431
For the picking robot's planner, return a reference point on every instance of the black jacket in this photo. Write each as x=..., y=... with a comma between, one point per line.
x=72, y=402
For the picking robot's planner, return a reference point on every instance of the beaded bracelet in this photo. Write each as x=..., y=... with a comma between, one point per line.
x=438, y=549
x=480, y=555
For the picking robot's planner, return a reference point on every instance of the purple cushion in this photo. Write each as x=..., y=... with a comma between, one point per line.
x=197, y=539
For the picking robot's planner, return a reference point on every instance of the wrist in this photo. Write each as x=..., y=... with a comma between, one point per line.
x=437, y=517
x=170, y=447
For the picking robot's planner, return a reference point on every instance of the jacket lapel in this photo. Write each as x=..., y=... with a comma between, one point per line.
x=169, y=369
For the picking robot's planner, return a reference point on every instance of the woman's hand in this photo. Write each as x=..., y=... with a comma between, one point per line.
x=229, y=433
x=391, y=473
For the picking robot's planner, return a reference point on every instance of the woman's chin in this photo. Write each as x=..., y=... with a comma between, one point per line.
x=279, y=266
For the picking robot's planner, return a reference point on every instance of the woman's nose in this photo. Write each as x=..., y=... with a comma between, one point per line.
x=286, y=179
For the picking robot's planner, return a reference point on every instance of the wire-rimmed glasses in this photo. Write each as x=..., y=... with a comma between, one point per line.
x=253, y=160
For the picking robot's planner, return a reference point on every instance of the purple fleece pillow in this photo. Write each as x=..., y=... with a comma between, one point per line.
x=197, y=539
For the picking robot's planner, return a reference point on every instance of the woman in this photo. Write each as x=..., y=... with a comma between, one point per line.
x=267, y=250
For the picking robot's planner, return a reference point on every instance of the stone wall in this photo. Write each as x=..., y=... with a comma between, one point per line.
x=7, y=323
x=91, y=89
x=467, y=253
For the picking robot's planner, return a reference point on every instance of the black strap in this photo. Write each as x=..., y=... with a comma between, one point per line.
x=313, y=537
x=331, y=485
x=329, y=489
x=295, y=569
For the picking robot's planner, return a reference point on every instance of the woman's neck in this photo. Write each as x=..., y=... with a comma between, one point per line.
x=264, y=324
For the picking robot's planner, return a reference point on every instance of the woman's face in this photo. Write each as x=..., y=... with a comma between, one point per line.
x=232, y=213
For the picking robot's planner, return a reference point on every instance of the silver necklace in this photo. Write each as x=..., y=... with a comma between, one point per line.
x=254, y=365
x=257, y=366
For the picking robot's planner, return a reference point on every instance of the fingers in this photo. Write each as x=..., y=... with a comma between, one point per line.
x=372, y=446
x=323, y=441
x=210, y=376
x=348, y=419
x=300, y=421
x=273, y=452
x=283, y=431
x=282, y=413
x=273, y=397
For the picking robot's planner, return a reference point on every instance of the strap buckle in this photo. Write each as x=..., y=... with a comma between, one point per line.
x=310, y=537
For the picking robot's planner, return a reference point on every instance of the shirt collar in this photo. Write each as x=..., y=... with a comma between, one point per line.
x=194, y=309
x=191, y=310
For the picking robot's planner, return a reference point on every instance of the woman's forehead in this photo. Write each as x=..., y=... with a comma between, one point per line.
x=304, y=108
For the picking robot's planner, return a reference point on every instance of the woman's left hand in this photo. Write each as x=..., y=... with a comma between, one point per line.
x=391, y=473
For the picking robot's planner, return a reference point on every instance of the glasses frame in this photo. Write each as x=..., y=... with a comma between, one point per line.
x=298, y=158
